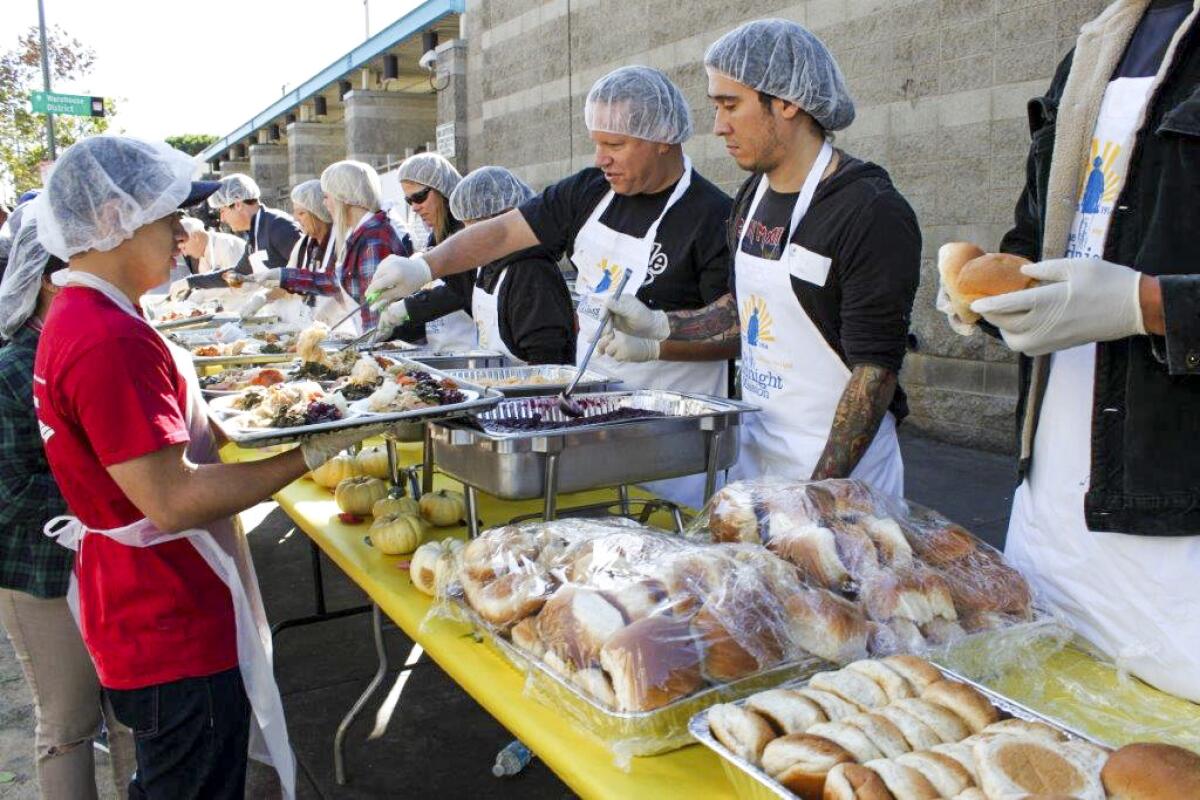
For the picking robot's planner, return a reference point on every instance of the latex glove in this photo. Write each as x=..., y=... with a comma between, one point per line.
x=321, y=447
x=270, y=278
x=397, y=277
x=251, y=306
x=392, y=317
x=179, y=289
x=1080, y=300
x=946, y=307
x=635, y=318
x=623, y=347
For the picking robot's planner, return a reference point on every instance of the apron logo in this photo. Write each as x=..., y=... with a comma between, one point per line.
x=658, y=264
x=758, y=323
x=608, y=279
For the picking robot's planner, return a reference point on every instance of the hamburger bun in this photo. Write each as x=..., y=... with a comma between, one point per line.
x=787, y=711
x=905, y=783
x=651, y=663
x=894, y=685
x=882, y=733
x=947, y=775
x=1160, y=771
x=743, y=732
x=989, y=275
x=855, y=782
x=849, y=737
x=945, y=723
x=834, y=707
x=952, y=257
x=852, y=686
x=1011, y=766
x=965, y=701
x=801, y=762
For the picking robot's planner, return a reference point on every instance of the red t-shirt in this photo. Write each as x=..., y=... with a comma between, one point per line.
x=107, y=391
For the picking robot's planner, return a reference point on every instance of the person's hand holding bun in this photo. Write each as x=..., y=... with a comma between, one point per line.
x=967, y=273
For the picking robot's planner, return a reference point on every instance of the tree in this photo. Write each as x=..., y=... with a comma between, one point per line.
x=22, y=133
x=191, y=143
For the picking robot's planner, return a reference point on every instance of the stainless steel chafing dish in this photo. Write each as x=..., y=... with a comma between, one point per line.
x=469, y=359
x=530, y=381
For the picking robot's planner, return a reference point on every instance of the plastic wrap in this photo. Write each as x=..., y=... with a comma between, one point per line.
x=630, y=631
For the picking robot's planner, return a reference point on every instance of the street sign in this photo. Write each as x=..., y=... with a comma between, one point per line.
x=75, y=105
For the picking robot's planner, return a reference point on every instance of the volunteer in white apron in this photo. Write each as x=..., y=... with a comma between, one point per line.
x=1128, y=591
x=166, y=596
x=439, y=314
x=826, y=264
x=642, y=208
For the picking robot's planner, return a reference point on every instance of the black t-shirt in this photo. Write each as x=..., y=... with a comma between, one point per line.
x=690, y=265
x=1149, y=44
x=870, y=234
x=429, y=304
x=534, y=311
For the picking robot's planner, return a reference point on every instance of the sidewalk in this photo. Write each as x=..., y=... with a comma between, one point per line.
x=439, y=742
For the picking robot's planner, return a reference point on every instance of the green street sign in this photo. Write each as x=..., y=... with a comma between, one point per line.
x=75, y=105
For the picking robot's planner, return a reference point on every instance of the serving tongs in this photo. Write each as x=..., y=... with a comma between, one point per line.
x=569, y=406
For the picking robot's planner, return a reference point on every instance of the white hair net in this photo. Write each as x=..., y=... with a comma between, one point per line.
x=191, y=225
x=486, y=192
x=103, y=188
x=432, y=170
x=354, y=183
x=785, y=60
x=310, y=196
x=233, y=188
x=22, y=279
x=640, y=102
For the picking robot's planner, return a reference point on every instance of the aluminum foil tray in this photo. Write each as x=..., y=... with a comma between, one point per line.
x=531, y=381
x=752, y=783
x=469, y=359
x=661, y=404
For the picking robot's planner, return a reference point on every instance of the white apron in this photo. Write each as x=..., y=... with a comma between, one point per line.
x=330, y=308
x=788, y=368
x=1134, y=597
x=453, y=333
x=601, y=255
x=485, y=309
x=226, y=552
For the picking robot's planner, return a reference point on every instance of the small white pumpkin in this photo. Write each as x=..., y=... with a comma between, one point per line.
x=395, y=505
x=433, y=563
x=335, y=470
x=358, y=494
x=373, y=461
x=397, y=534
x=443, y=507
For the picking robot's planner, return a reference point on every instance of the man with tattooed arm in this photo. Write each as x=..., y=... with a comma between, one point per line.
x=826, y=264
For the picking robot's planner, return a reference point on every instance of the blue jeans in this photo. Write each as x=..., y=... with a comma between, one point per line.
x=191, y=737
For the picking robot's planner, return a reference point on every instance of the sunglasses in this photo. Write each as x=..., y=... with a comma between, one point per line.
x=416, y=198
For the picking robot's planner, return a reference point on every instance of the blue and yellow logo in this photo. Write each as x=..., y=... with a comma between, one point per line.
x=756, y=322
x=606, y=282
x=1102, y=182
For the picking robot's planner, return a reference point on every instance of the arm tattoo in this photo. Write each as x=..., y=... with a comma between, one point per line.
x=859, y=413
x=716, y=322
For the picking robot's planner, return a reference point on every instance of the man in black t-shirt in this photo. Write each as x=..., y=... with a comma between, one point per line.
x=826, y=264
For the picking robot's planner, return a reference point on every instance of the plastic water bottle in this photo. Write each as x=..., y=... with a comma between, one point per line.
x=512, y=759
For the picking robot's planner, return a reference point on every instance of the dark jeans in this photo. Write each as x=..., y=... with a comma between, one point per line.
x=191, y=737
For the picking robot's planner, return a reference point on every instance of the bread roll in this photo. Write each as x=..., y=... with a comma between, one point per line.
x=499, y=552
x=962, y=753
x=849, y=737
x=787, y=711
x=855, y=782
x=952, y=257
x=813, y=549
x=947, y=775
x=905, y=783
x=992, y=274
x=916, y=670
x=852, y=686
x=743, y=732
x=800, y=762
x=902, y=636
x=732, y=515
x=691, y=577
x=1146, y=771
x=827, y=626
x=639, y=599
x=1032, y=730
x=1011, y=766
x=894, y=685
x=974, y=793
x=576, y=622
x=918, y=735
x=940, y=631
x=652, y=662
x=525, y=636
x=942, y=544
x=882, y=733
x=891, y=543
x=508, y=599
x=965, y=701
x=948, y=726
x=595, y=683
x=834, y=707
x=737, y=635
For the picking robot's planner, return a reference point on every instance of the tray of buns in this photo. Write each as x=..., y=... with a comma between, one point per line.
x=896, y=727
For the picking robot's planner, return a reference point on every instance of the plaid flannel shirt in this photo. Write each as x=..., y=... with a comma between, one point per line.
x=29, y=561
x=367, y=245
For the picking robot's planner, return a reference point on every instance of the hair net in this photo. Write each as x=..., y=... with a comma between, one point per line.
x=432, y=170
x=22, y=279
x=310, y=196
x=486, y=192
x=784, y=59
x=191, y=225
x=233, y=188
x=640, y=102
x=103, y=188
x=353, y=183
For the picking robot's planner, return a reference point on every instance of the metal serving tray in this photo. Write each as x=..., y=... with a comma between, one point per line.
x=214, y=320
x=243, y=359
x=751, y=783
x=438, y=359
x=516, y=465
x=531, y=381
x=267, y=437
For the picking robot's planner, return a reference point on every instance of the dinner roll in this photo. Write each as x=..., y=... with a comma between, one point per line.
x=508, y=599
x=948, y=726
x=787, y=711
x=743, y=732
x=834, y=707
x=813, y=549
x=894, y=685
x=905, y=783
x=992, y=274
x=1021, y=727
x=1146, y=771
x=849, y=737
x=638, y=599
x=891, y=543
x=965, y=701
x=882, y=733
x=962, y=753
x=732, y=515
x=826, y=625
x=855, y=782
x=852, y=686
x=594, y=682
x=800, y=762
x=652, y=662
x=916, y=670
x=947, y=775
x=1012, y=766
x=918, y=735
x=576, y=622
x=751, y=645
x=525, y=636
x=952, y=257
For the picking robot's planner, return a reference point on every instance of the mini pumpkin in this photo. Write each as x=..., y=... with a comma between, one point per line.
x=443, y=507
x=395, y=505
x=373, y=461
x=358, y=494
x=336, y=470
x=432, y=563
x=397, y=534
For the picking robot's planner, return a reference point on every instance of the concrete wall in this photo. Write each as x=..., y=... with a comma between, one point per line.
x=312, y=146
x=381, y=126
x=941, y=88
x=228, y=168
x=269, y=168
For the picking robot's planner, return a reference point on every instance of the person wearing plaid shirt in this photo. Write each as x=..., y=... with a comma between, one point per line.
x=35, y=571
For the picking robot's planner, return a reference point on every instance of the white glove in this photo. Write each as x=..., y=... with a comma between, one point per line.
x=392, y=317
x=1080, y=300
x=632, y=316
x=178, y=289
x=397, y=277
x=946, y=307
x=269, y=278
x=251, y=306
x=321, y=447
x=622, y=347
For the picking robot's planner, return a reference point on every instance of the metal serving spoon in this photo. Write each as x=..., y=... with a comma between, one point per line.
x=568, y=406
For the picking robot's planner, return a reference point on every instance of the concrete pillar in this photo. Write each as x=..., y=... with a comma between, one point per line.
x=381, y=126
x=269, y=168
x=313, y=146
x=230, y=167
x=452, y=102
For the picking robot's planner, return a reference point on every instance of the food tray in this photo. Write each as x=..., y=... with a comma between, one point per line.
x=185, y=322
x=207, y=335
x=437, y=359
x=214, y=320
x=752, y=783
x=629, y=733
x=532, y=381
x=242, y=359
x=513, y=465
x=265, y=437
